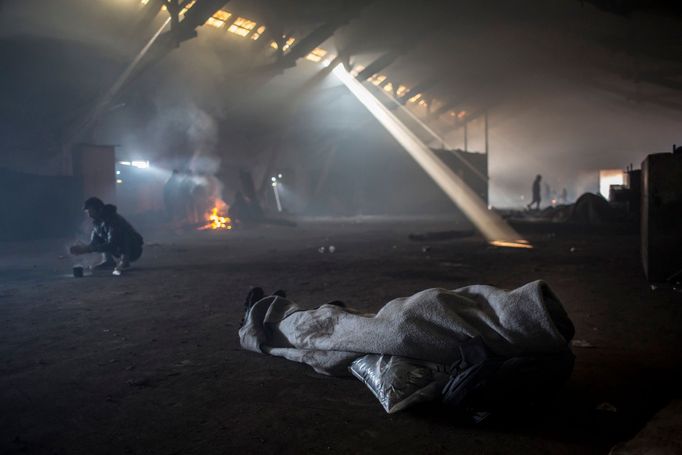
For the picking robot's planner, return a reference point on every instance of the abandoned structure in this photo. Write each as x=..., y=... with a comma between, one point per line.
x=334, y=250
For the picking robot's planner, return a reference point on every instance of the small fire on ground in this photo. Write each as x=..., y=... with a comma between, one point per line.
x=217, y=218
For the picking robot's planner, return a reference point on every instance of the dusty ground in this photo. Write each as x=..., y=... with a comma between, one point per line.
x=149, y=363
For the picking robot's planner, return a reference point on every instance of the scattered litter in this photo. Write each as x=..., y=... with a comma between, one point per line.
x=398, y=382
x=581, y=344
x=426, y=249
x=332, y=248
x=321, y=250
x=572, y=250
x=606, y=407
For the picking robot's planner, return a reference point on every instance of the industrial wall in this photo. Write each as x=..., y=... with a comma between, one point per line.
x=38, y=206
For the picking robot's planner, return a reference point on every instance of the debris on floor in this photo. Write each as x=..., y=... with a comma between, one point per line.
x=582, y=344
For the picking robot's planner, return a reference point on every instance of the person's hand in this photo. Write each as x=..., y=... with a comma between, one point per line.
x=79, y=249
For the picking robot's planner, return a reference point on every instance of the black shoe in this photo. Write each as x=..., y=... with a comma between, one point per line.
x=254, y=295
x=106, y=265
x=337, y=303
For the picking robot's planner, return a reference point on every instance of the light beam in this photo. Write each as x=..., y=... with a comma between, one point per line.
x=491, y=225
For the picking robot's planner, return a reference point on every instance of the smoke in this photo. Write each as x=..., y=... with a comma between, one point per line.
x=204, y=164
x=568, y=135
x=203, y=136
x=547, y=88
x=191, y=134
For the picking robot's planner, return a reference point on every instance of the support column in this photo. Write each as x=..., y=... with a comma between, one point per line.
x=485, y=120
x=466, y=137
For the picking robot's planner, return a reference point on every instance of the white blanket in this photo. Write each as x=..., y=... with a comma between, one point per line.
x=429, y=325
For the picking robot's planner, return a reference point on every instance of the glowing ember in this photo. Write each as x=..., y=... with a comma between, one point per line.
x=217, y=217
x=512, y=244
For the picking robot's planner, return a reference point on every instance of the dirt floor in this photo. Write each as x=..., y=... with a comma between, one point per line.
x=150, y=363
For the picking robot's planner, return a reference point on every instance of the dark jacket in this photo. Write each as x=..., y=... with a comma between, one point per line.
x=113, y=234
x=536, y=190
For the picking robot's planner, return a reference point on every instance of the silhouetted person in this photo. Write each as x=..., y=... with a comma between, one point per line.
x=112, y=236
x=548, y=192
x=186, y=200
x=240, y=210
x=172, y=197
x=536, y=193
x=201, y=203
x=564, y=196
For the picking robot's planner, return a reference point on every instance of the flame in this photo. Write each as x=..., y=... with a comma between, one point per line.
x=217, y=217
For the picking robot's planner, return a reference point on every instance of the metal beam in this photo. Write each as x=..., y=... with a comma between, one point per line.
x=377, y=65
x=308, y=44
x=419, y=88
x=469, y=117
x=486, y=131
x=447, y=106
x=186, y=29
x=313, y=40
x=322, y=33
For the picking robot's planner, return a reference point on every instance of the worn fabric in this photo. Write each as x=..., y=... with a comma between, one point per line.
x=429, y=325
x=114, y=235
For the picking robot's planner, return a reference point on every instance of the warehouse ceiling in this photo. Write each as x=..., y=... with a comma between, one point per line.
x=448, y=61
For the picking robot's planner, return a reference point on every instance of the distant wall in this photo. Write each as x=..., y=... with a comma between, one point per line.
x=38, y=206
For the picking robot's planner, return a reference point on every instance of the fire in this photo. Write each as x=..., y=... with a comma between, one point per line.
x=217, y=217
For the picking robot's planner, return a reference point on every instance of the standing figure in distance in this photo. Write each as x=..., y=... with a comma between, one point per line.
x=171, y=196
x=536, y=193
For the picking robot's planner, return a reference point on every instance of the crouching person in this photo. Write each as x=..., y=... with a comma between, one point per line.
x=112, y=235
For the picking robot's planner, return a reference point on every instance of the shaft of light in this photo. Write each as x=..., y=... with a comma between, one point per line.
x=493, y=228
x=440, y=139
x=279, y=203
x=109, y=95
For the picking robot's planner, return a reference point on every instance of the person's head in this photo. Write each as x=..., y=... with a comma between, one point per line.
x=94, y=207
x=538, y=177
